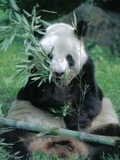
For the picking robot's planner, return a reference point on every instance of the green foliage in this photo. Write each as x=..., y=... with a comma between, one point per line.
x=24, y=26
x=43, y=156
x=3, y=155
x=115, y=157
x=8, y=86
x=1, y=113
x=63, y=111
x=20, y=27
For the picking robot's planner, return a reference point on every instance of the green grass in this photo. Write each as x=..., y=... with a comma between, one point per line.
x=8, y=85
x=108, y=73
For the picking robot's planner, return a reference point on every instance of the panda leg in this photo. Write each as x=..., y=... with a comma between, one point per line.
x=108, y=130
x=16, y=145
x=101, y=151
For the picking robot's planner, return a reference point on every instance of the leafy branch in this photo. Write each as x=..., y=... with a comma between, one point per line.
x=23, y=25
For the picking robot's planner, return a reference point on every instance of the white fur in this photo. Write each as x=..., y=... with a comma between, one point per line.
x=25, y=111
x=61, y=38
x=106, y=116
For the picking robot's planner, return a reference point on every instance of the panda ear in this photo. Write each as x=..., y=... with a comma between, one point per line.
x=38, y=34
x=81, y=28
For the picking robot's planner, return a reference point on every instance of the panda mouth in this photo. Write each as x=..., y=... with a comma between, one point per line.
x=59, y=77
x=63, y=78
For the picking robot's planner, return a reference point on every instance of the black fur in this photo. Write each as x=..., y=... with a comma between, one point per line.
x=46, y=96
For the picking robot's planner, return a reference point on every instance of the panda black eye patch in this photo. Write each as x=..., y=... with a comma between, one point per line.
x=70, y=60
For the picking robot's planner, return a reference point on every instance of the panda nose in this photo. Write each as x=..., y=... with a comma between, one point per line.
x=58, y=75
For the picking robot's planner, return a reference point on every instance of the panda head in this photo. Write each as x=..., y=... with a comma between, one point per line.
x=66, y=44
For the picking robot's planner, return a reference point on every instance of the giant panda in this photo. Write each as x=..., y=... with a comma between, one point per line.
x=91, y=111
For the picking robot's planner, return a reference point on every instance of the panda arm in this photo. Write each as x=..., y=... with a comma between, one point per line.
x=86, y=105
x=82, y=115
x=89, y=109
x=90, y=104
x=46, y=96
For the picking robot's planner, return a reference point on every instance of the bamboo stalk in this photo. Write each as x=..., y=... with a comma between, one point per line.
x=107, y=140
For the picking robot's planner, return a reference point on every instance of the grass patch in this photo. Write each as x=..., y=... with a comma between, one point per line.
x=108, y=73
x=3, y=155
x=8, y=86
x=43, y=156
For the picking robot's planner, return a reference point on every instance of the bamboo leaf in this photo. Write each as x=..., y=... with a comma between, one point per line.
x=19, y=66
x=11, y=38
x=44, y=22
x=24, y=19
x=4, y=28
x=25, y=79
x=50, y=76
x=43, y=10
x=40, y=83
x=40, y=32
x=44, y=66
x=25, y=61
x=33, y=22
x=14, y=5
x=5, y=44
x=26, y=13
x=1, y=113
x=34, y=12
x=35, y=78
x=74, y=22
x=38, y=17
x=19, y=18
x=19, y=74
x=27, y=48
x=36, y=27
